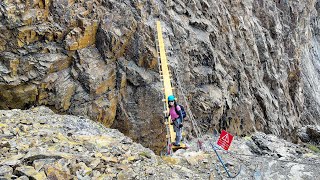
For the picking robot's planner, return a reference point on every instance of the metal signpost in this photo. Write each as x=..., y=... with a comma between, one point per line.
x=224, y=142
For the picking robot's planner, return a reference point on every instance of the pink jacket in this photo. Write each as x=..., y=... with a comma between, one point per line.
x=174, y=115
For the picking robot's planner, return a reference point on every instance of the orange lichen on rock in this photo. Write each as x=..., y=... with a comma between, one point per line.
x=26, y=35
x=81, y=37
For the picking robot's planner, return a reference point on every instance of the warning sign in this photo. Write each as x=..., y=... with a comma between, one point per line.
x=225, y=140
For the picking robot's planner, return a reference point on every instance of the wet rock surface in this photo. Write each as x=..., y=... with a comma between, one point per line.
x=39, y=144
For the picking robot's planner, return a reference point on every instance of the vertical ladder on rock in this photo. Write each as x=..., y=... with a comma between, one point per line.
x=165, y=77
x=168, y=148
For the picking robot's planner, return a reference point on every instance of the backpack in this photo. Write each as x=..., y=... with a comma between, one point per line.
x=183, y=112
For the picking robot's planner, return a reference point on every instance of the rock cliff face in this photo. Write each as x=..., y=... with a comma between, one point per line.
x=245, y=66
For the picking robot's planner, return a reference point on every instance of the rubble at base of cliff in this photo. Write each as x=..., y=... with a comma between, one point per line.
x=39, y=144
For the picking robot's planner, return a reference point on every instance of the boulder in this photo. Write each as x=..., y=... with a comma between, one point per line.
x=309, y=134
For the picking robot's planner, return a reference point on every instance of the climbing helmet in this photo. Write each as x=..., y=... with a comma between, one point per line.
x=171, y=98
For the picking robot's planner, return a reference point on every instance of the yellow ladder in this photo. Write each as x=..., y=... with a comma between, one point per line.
x=165, y=77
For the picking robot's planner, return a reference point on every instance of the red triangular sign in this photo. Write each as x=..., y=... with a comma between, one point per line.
x=225, y=138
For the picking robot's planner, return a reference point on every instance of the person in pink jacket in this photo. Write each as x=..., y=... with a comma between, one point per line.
x=176, y=117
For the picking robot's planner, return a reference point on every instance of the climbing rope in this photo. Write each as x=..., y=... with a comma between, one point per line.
x=196, y=128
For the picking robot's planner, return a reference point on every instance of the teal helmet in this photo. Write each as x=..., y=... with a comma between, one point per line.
x=171, y=98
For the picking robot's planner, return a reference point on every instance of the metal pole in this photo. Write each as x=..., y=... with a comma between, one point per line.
x=224, y=166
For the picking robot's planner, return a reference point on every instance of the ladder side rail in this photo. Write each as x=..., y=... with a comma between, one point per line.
x=165, y=76
x=167, y=121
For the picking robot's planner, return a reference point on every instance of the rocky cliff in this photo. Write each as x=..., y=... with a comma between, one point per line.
x=245, y=66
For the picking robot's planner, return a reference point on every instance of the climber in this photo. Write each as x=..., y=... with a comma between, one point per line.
x=176, y=116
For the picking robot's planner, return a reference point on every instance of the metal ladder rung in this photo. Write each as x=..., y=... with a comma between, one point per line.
x=170, y=75
x=173, y=88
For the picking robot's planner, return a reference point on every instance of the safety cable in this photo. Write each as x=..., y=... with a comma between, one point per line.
x=197, y=130
x=233, y=154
